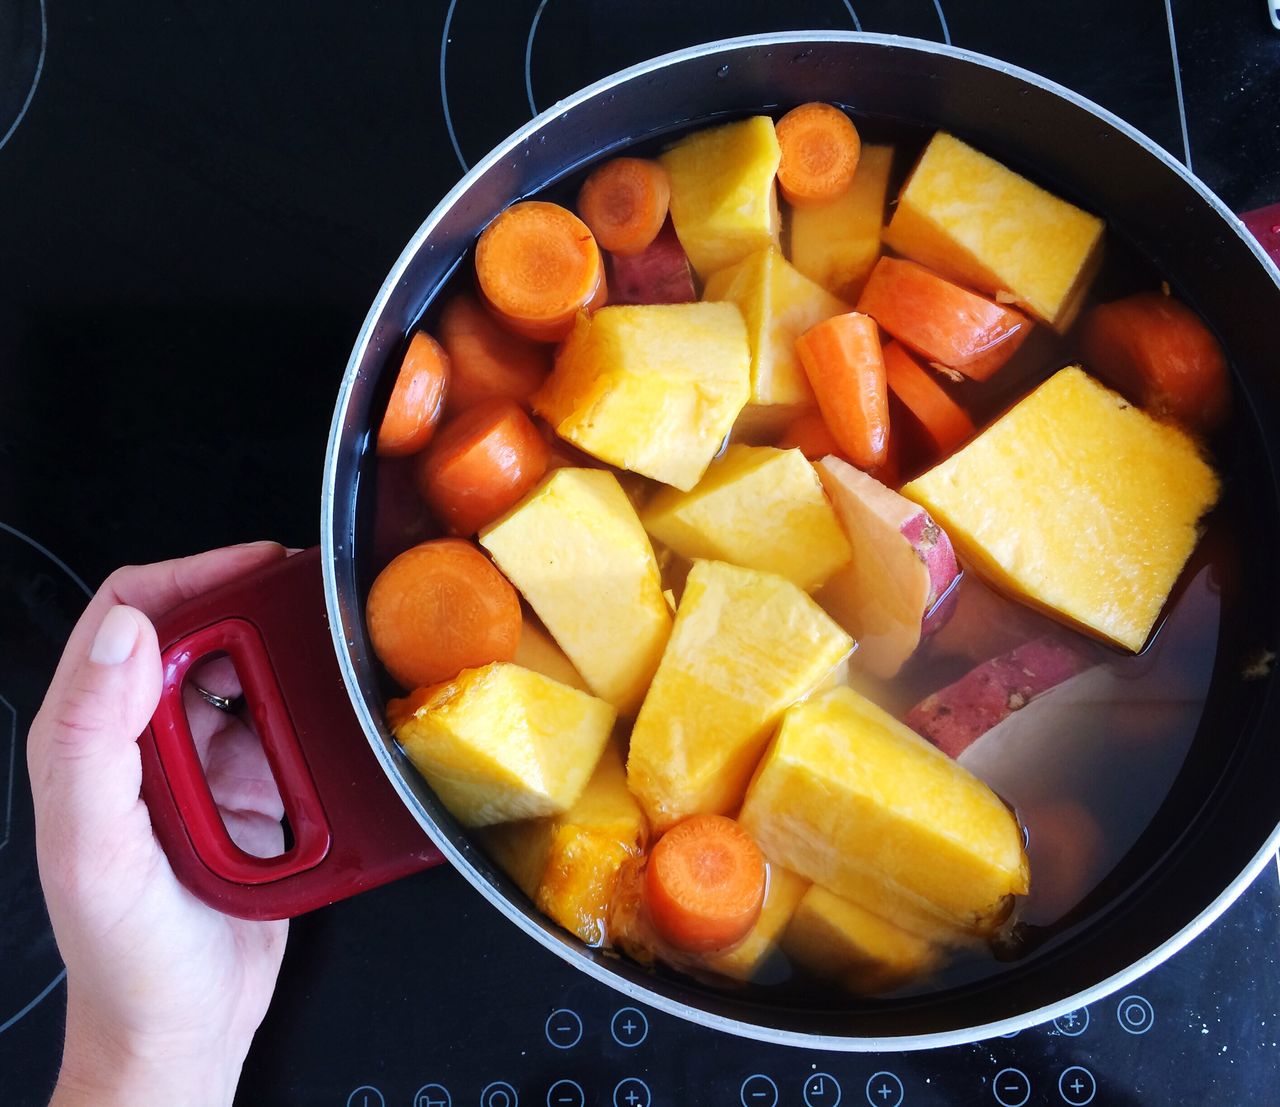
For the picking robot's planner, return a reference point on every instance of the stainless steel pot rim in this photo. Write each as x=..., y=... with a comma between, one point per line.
x=332, y=548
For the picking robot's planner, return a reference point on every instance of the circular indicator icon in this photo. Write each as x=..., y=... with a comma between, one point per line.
x=822, y=1090
x=1135, y=1014
x=1077, y=1086
x=884, y=1089
x=563, y=1028
x=1011, y=1088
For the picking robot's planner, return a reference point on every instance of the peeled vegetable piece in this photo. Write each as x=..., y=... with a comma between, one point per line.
x=779, y=303
x=502, y=743
x=1077, y=503
x=723, y=201
x=902, y=565
x=577, y=552
x=653, y=388
x=839, y=940
x=967, y=216
x=538, y=651
x=745, y=646
x=659, y=274
x=757, y=507
x=746, y=959
x=837, y=243
x=847, y=796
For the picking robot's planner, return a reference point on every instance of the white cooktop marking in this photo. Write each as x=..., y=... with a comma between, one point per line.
x=946, y=33
x=1177, y=84
x=444, y=88
x=31, y=92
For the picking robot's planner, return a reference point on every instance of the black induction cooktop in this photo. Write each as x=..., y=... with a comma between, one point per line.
x=197, y=203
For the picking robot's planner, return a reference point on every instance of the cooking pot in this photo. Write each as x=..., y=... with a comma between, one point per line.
x=358, y=812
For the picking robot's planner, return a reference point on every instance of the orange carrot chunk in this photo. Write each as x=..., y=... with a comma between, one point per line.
x=481, y=463
x=1159, y=353
x=705, y=884
x=537, y=266
x=945, y=324
x=820, y=152
x=439, y=608
x=487, y=361
x=417, y=399
x=943, y=421
x=841, y=357
x=808, y=432
x=624, y=202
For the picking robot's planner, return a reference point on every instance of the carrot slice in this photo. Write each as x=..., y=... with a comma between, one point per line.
x=1159, y=353
x=943, y=421
x=482, y=462
x=945, y=324
x=417, y=399
x=624, y=202
x=705, y=883
x=809, y=433
x=841, y=358
x=439, y=608
x=538, y=265
x=820, y=152
x=487, y=361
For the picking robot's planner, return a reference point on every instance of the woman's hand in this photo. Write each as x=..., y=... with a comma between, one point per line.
x=163, y=992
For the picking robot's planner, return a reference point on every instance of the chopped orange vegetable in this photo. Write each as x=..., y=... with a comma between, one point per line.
x=944, y=421
x=487, y=361
x=537, y=266
x=624, y=202
x=945, y=324
x=705, y=883
x=439, y=608
x=1159, y=353
x=820, y=152
x=417, y=399
x=808, y=432
x=841, y=357
x=481, y=464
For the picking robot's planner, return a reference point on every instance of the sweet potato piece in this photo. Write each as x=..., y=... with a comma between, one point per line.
x=659, y=274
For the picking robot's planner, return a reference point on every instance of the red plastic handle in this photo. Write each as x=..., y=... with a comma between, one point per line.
x=1265, y=225
x=351, y=830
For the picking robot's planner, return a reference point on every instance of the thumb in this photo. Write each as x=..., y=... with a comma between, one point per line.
x=86, y=773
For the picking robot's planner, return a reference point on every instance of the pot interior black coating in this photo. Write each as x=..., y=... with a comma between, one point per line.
x=1226, y=802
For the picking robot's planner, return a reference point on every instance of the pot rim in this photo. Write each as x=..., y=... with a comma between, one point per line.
x=331, y=550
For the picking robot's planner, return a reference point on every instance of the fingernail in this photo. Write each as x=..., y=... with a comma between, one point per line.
x=116, y=637
x=255, y=545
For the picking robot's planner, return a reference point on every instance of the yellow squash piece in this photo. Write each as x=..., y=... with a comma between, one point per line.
x=847, y=796
x=745, y=960
x=839, y=940
x=538, y=651
x=723, y=200
x=837, y=243
x=577, y=552
x=967, y=216
x=1077, y=503
x=757, y=507
x=653, y=388
x=745, y=646
x=501, y=742
x=779, y=303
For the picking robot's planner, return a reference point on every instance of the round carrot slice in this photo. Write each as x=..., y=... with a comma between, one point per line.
x=705, y=883
x=487, y=361
x=820, y=152
x=417, y=399
x=439, y=608
x=624, y=202
x=538, y=265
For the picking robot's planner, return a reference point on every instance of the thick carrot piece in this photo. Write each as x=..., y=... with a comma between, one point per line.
x=841, y=357
x=439, y=608
x=820, y=152
x=809, y=433
x=537, y=266
x=945, y=324
x=705, y=884
x=417, y=399
x=487, y=361
x=1159, y=353
x=944, y=421
x=624, y=202
x=482, y=462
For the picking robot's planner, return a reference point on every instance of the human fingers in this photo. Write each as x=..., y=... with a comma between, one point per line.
x=238, y=773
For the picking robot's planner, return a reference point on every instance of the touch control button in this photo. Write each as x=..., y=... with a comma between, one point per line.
x=1135, y=1014
x=499, y=1094
x=822, y=1090
x=1073, y=1023
x=1077, y=1086
x=631, y=1092
x=758, y=1091
x=433, y=1095
x=629, y=1027
x=884, y=1090
x=366, y=1096
x=1011, y=1088
x=566, y=1093
x=564, y=1028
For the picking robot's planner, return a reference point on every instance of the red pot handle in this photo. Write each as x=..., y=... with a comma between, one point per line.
x=1265, y=225
x=351, y=829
